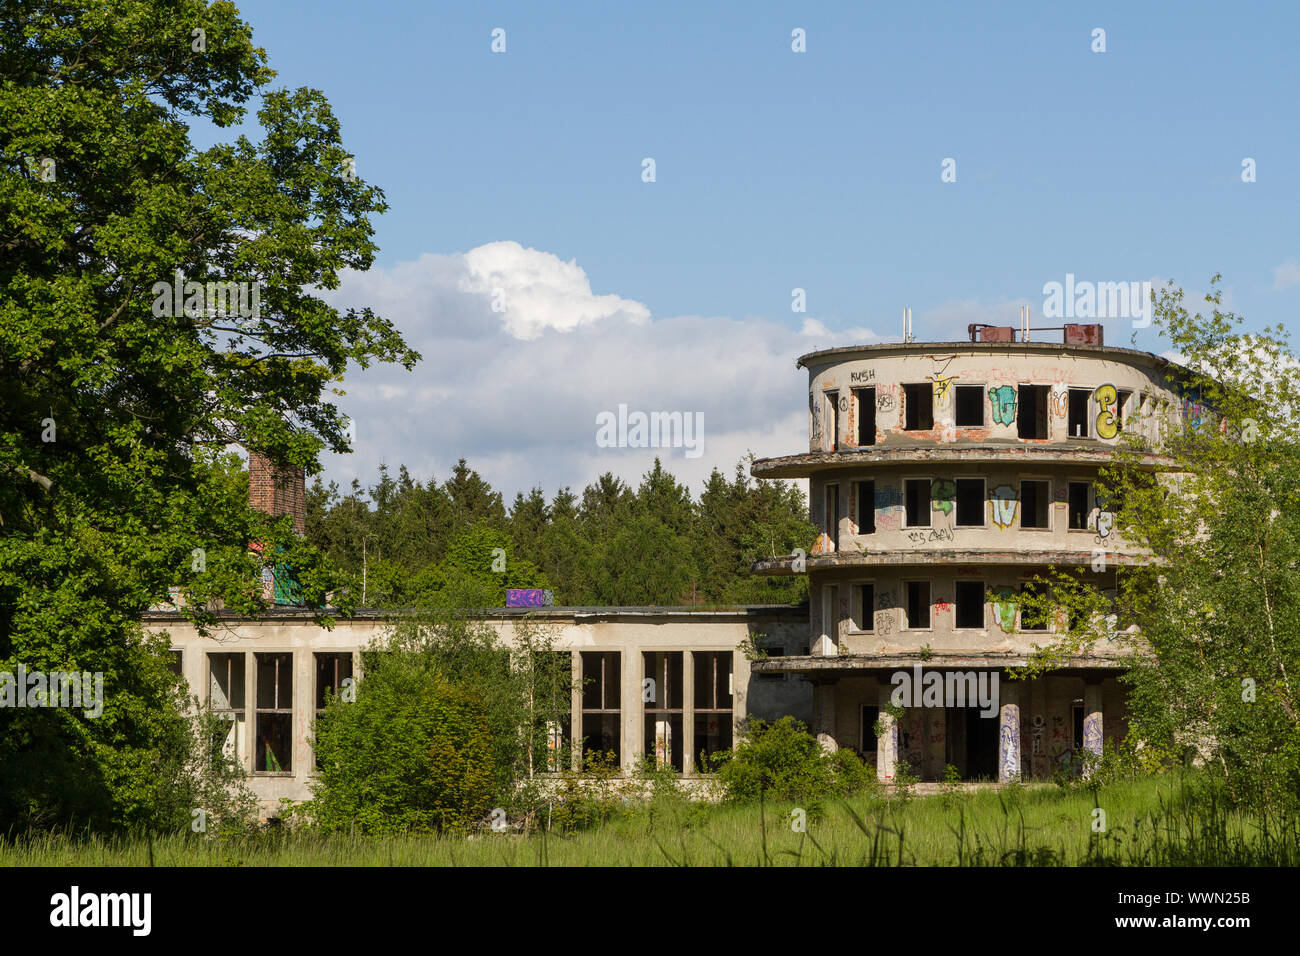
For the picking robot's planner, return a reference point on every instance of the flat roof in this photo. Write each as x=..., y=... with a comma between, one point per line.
x=1098, y=351
x=652, y=610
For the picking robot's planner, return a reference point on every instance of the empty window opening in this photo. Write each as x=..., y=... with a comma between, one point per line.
x=1078, y=413
x=332, y=669
x=831, y=614
x=916, y=501
x=175, y=662
x=226, y=699
x=551, y=690
x=1079, y=507
x=1076, y=719
x=918, y=605
x=1031, y=618
x=970, y=406
x=662, y=693
x=970, y=501
x=864, y=400
x=866, y=507
x=831, y=422
x=274, y=727
x=1121, y=411
x=833, y=515
x=969, y=597
x=713, y=705
x=918, y=407
x=870, y=717
x=601, y=706
x=1034, y=504
x=1031, y=417
x=864, y=606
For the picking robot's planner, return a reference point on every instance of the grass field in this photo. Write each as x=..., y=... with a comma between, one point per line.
x=1148, y=822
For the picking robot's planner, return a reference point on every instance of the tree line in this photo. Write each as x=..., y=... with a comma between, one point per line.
x=403, y=542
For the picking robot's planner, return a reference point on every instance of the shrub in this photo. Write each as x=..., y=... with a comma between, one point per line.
x=783, y=761
x=412, y=753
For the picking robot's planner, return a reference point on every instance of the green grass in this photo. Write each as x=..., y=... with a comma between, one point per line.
x=1149, y=822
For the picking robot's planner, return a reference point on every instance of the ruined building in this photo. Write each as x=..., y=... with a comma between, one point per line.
x=943, y=477
x=941, y=474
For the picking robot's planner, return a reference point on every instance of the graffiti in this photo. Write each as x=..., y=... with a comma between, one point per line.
x=1092, y=733
x=529, y=597
x=886, y=599
x=884, y=622
x=1107, y=423
x=888, y=497
x=867, y=375
x=1002, y=398
x=943, y=493
x=941, y=606
x=1005, y=608
x=1194, y=414
x=1037, y=735
x=1061, y=401
x=844, y=404
x=1009, y=742
x=933, y=534
x=887, y=521
x=1004, y=499
x=885, y=400
x=943, y=388
x=1105, y=525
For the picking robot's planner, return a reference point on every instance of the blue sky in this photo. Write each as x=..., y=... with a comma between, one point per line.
x=774, y=170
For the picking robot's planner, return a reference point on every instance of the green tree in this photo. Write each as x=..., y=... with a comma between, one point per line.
x=1212, y=618
x=115, y=405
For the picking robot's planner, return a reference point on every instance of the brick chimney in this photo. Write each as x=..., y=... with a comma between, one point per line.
x=277, y=491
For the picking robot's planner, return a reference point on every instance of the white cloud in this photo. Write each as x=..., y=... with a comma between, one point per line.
x=1286, y=275
x=517, y=393
x=533, y=291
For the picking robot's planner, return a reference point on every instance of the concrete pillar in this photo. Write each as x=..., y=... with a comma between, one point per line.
x=824, y=715
x=887, y=742
x=575, y=710
x=687, y=743
x=1092, y=717
x=1008, y=732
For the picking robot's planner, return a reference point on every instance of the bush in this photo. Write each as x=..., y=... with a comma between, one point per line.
x=783, y=761
x=412, y=753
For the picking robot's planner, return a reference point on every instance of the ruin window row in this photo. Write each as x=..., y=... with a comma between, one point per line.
x=1095, y=412
x=965, y=502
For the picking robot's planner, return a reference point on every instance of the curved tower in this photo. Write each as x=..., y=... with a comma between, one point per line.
x=941, y=473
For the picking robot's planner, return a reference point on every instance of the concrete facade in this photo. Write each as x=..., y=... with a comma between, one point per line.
x=940, y=475
x=266, y=674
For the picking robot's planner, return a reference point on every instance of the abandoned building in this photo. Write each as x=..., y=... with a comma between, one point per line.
x=940, y=475
x=943, y=477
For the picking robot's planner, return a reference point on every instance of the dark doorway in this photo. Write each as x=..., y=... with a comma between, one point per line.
x=972, y=743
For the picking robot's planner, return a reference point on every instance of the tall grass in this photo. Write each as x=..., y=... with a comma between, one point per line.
x=1164, y=821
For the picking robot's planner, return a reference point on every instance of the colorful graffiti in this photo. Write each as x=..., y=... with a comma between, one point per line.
x=529, y=597
x=943, y=388
x=1004, y=500
x=1092, y=733
x=1106, y=425
x=943, y=494
x=1009, y=743
x=1061, y=401
x=1002, y=399
x=1005, y=608
x=1194, y=414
